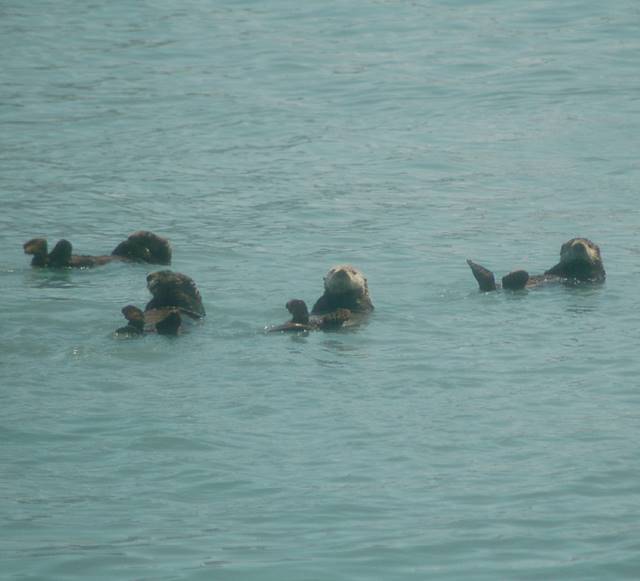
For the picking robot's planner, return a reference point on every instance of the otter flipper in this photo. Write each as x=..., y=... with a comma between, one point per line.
x=170, y=325
x=335, y=320
x=515, y=280
x=299, y=321
x=486, y=279
x=135, y=322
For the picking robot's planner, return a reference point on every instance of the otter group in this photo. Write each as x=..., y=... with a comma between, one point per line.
x=176, y=299
x=345, y=302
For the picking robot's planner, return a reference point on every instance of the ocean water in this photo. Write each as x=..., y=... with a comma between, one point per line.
x=458, y=434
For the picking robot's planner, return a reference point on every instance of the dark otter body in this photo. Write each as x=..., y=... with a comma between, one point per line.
x=140, y=246
x=580, y=262
x=302, y=322
x=176, y=301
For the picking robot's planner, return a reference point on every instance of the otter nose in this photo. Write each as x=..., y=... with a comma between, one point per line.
x=579, y=247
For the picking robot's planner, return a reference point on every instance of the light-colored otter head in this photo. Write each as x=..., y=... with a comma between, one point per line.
x=345, y=279
x=345, y=287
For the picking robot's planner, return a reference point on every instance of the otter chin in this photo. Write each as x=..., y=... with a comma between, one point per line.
x=345, y=287
x=580, y=262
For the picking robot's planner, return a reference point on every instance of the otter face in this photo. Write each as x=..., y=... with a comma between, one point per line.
x=345, y=279
x=345, y=287
x=580, y=261
x=580, y=250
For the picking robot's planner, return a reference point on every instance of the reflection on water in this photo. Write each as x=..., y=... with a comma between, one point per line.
x=51, y=278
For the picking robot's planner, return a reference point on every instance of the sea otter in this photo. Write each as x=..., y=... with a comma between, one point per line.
x=302, y=322
x=580, y=262
x=141, y=246
x=176, y=301
x=345, y=287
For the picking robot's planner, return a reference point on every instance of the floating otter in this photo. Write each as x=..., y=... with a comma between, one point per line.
x=176, y=301
x=580, y=262
x=141, y=246
x=344, y=303
x=345, y=287
x=301, y=322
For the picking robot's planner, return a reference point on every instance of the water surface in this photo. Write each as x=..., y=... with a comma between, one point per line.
x=458, y=435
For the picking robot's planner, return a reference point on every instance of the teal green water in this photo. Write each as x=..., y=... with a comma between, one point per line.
x=458, y=435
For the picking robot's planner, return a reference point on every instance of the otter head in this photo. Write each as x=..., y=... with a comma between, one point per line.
x=580, y=260
x=345, y=287
x=345, y=279
x=145, y=246
x=38, y=248
x=173, y=289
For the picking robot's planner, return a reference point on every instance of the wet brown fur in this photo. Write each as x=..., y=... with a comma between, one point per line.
x=175, y=302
